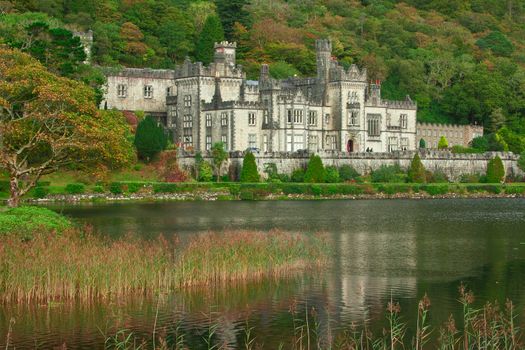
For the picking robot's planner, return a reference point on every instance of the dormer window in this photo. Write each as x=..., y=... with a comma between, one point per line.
x=148, y=91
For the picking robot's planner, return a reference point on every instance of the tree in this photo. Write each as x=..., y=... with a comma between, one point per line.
x=205, y=172
x=496, y=120
x=249, y=171
x=332, y=174
x=417, y=172
x=521, y=161
x=230, y=12
x=49, y=122
x=150, y=139
x=212, y=32
x=198, y=162
x=422, y=144
x=495, y=170
x=315, y=171
x=219, y=156
x=443, y=143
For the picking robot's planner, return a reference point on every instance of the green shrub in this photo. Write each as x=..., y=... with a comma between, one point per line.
x=495, y=170
x=116, y=188
x=416, y=172
x=134, y=187
x=460, y=149
x=75, y=188
x=443, y=143
x=422, y=144
x=205, y=172
x=295, y=188
x=437, y=177
x=40, y=192
x=332, y=174
x=393, y=188
x=298, y=175
x=317, y=190
x=350, y=189
x=470, y=178
x=25, y=221
x=388, y=173
x=98, y=189
x=235, y=189
x=514, y=189
x=247, y=195
x=435, y=190
x=249, y=171
x=315, y=173
x=348, y=173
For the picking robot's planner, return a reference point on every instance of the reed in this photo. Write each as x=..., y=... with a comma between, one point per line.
x=78, y=265
x=488, y=328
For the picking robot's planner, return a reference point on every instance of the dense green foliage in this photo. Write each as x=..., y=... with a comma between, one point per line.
x=443, y=143
x=348, y=173
x=521, y=161
x=416, y=172
x=150, y=139
x=332, y=174
x=219, y=156
x=212, y=33
x=205, y=171
x=24, y=221
x=315, y=171
x=249, y=171
x=460, y=60
x=422, y=144
x=388, y=173
x=495, y=170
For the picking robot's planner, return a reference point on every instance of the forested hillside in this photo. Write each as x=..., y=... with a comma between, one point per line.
x=462, y=60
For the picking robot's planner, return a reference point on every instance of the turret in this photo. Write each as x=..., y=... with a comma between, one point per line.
x=323, y=48
x=375, y=92
x=265, y=72
x=225, y=52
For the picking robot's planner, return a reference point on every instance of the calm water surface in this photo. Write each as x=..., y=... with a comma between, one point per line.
x=398, y=249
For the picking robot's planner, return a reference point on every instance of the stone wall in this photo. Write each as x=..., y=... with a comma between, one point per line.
x=453, y=165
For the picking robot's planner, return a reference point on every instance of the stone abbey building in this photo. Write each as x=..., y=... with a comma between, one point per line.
x=337, y=110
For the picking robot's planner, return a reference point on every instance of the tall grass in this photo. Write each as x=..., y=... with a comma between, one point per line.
x=80, y=265
x=487, y=328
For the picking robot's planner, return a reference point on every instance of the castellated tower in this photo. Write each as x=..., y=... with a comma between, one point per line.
x=323, y=48
x=225, y=53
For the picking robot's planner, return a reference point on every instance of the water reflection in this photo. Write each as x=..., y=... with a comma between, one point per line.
x=399, y=249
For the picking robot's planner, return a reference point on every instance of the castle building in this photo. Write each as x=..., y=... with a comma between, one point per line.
x=337, y=110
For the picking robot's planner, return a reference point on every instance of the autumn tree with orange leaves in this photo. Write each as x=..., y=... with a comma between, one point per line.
x=49, y=122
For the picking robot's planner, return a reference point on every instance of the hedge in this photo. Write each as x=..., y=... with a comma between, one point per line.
x=75, y=188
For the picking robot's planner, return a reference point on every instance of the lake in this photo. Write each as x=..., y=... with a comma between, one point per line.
x=399, y=249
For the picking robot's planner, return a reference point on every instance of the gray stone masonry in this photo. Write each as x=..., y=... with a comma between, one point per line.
x=452, y=164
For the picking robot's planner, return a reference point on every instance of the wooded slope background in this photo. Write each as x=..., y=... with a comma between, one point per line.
x=462, y=60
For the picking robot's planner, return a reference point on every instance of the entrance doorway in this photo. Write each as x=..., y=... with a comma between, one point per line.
x=350, y=146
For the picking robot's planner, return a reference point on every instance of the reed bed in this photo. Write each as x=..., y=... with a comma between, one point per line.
x=78, y=265
x=489, y=327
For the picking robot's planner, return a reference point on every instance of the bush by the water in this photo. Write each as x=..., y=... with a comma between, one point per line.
x=24, y=221
x=495, y=170
x=388, y=173
x=249, y=171
x=75, y=188
x=150, y=139
x=331, y=174
x=416, y=172
x=348, y=173
x=315, y=172
x=298, y=175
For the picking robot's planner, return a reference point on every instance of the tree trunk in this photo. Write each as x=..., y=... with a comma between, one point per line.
x=14, y=198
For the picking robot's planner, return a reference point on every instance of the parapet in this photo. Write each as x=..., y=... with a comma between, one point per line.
x=139, y=73
x=323, y=45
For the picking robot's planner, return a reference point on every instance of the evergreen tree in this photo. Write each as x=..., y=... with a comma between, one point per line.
x=249, y=169
x=205, y=171
x=495, y=170
x=231, y=11
x=315, y=171
x=212, y=32
x=497, y=120
x=443, y=143
x=150, y=139
x=417, y=172
x=422, y=144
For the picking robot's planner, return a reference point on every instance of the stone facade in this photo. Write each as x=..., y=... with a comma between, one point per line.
x=337, y=110
x=451, y=164
x=461, y=135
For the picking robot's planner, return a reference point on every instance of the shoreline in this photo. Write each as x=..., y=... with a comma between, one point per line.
x=213, y=197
